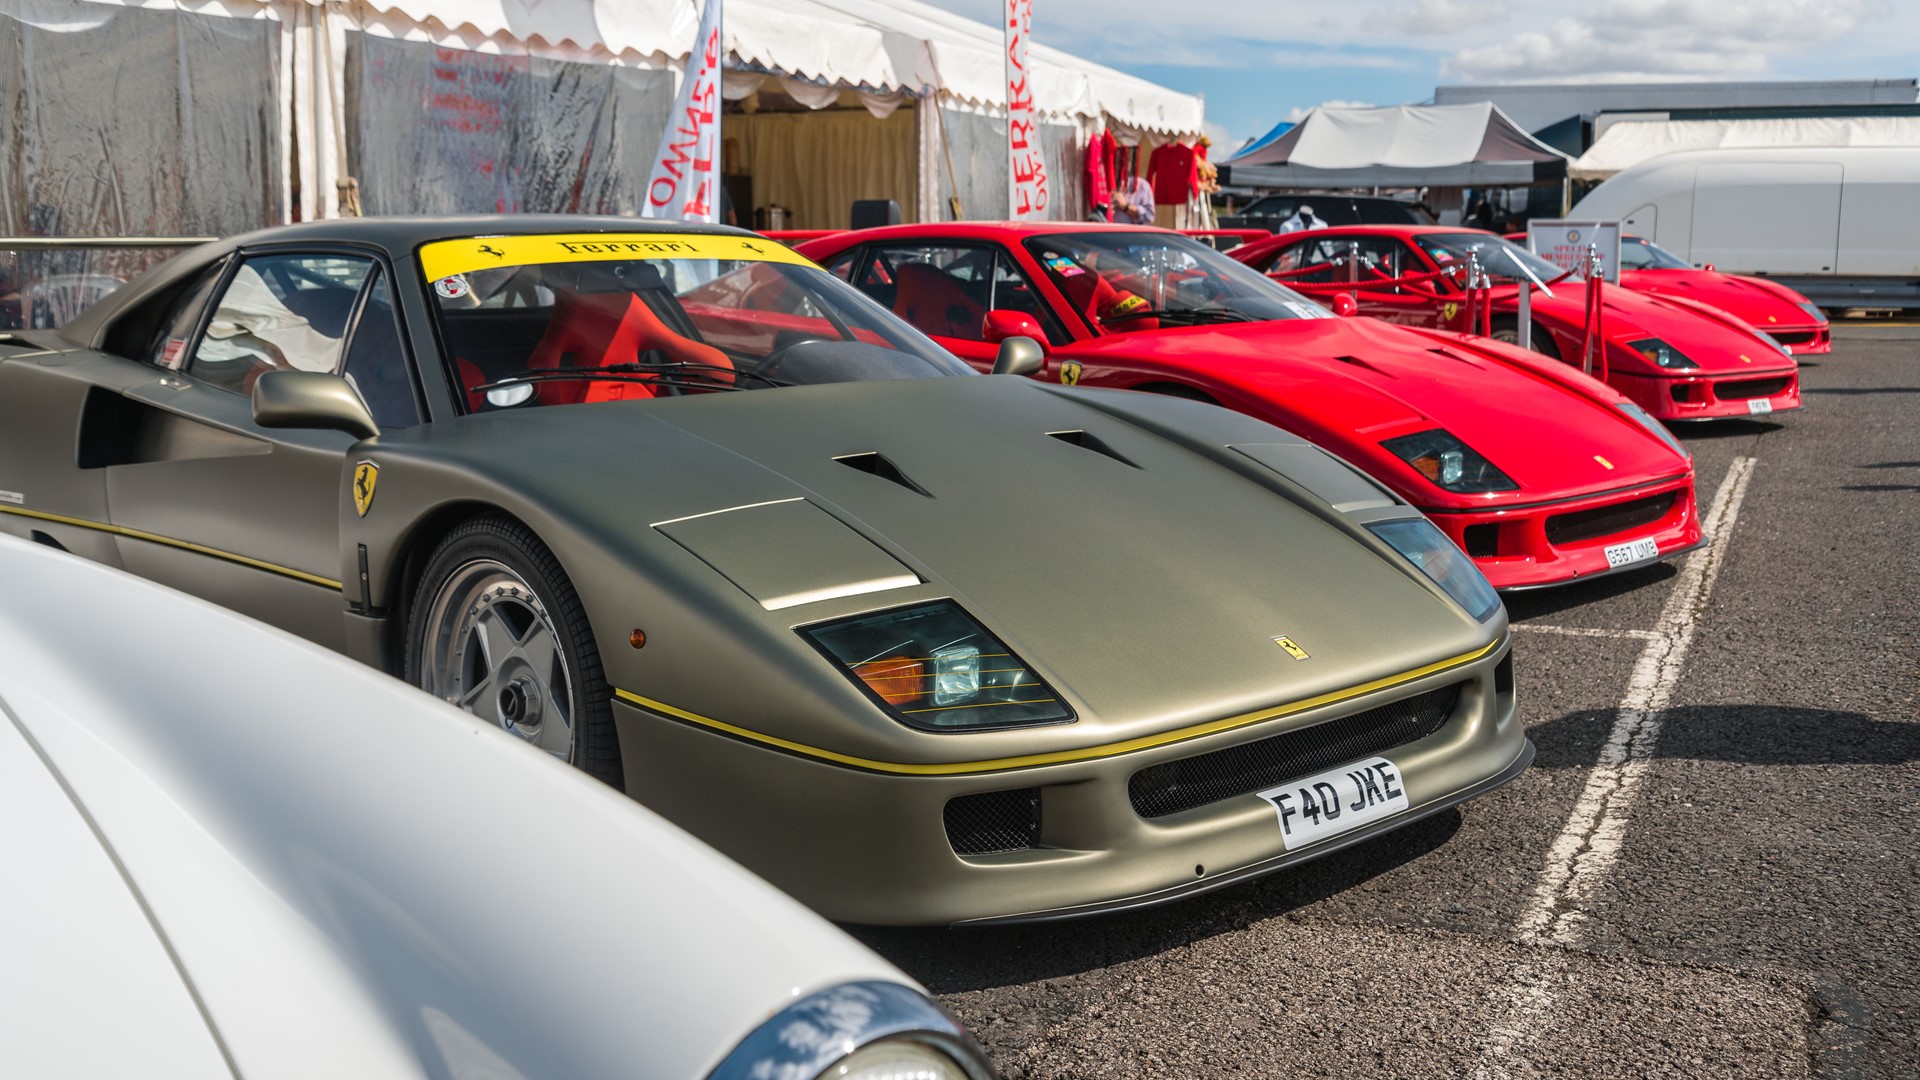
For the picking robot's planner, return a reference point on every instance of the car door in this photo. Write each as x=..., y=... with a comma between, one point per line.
x=945, y=290
x=211, y=503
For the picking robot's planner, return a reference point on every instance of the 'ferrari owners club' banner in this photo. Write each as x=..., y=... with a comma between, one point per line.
x=686, y=170
x=1026, y=166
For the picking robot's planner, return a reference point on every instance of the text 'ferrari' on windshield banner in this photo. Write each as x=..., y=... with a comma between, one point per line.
x=445, y=258
x=686, y=170
x=1026, y=165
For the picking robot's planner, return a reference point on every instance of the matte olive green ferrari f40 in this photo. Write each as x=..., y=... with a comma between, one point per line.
x=676, y=505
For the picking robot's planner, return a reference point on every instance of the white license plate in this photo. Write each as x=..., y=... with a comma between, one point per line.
x=1632, y=551
x=1339, y=800
x=1758, y=406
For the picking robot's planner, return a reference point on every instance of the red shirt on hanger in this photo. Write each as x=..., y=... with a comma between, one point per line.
x=1175, y=173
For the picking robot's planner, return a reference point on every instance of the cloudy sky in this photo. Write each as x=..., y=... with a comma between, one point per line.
x=1263, y=61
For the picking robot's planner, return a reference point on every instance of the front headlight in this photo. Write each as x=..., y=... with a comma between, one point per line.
x=1426, y=547
x=1449, y=463
x=1662, y=354
x=1654, y=427
x=1815, y=311
x=932, y=666
x=857, y=1031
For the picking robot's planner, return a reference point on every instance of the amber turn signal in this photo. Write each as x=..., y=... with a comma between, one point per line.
x=637, y=639
x=899, y=680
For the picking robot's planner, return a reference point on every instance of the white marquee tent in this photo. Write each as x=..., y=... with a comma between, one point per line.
x=1472, y=145
x=1628, y=142
x=443, y=105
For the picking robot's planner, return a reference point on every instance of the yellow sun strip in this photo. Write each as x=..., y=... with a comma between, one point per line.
x=183, y=545
x=445, y=258
x=1026, y=761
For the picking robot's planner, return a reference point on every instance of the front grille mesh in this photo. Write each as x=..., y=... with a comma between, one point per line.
x=994, y=821
x=1795, y=337
x=1607, y=520
x=1176, y=786
x=1749, y=388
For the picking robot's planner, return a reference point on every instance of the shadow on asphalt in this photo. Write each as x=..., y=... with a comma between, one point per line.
x=955, y=960
x=1722, y=428
x=1858, y=391
x=1881, y=487
x=1740, y=735
x=1532, y=605
x=1891, y=465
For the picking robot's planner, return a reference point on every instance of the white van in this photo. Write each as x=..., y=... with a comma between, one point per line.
x=1841, y=224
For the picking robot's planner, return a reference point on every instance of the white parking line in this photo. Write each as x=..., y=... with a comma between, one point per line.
x=1589, y=845
x=1587, y=631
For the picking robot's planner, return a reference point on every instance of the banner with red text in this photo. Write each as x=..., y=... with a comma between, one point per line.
x=1026, y=163
x=686, y=170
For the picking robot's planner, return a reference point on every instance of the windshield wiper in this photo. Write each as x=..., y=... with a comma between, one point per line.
x=1189, y=316
x=681, y=375
x=1207, y=315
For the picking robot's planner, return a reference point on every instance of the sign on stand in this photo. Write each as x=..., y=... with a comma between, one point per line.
x=1026, y=164
x=1565, y=244
x=685, y=183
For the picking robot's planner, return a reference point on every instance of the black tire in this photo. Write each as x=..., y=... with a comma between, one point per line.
x=498, y=539
x=1508, y=330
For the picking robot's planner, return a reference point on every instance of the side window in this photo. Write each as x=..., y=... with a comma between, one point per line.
x=1013, y=292
x=279, y=311
x=1305, y=256
x=376, y=363
x=842, y=265
x=941, y=290
x=168, y=347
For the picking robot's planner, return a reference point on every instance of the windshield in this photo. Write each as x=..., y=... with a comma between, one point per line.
x=1130, y=281
x=555, y=320
x=1501, y=259
x=1638, y=254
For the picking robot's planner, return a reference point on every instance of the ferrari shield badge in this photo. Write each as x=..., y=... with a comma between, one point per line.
x=365, y=475
x=1070, y=373
x=1448, y=310
x=1292, y=649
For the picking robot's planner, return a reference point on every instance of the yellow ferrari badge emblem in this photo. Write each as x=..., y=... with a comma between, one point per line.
x=1773, y=318
x=365, y=476
x=1293, y=650
x=1745, y=359
x=1070, y=373
x=1604, y=463
x=1449, y=310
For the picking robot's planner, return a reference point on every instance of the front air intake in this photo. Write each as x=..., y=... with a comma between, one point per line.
x=994, y=821
x=1174, y=786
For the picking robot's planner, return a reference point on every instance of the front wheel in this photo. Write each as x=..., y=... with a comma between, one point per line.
x=497, y=629
x=1509, y=331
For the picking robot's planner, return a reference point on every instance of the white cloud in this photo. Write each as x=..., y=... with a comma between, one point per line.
x=1436, y=17
x=1334, y=58
x=1659, y=39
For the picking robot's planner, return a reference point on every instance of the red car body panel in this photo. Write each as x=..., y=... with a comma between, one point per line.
x=1738, y=374
x=1767, y=306
x=1589, y=476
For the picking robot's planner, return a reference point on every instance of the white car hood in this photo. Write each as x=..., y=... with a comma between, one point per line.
x=357, y=880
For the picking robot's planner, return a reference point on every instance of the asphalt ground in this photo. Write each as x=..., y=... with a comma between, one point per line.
x=1710, y=870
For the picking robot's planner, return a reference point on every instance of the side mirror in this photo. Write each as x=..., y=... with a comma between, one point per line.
x=311, y=399
x=1344, y=305
x=1020, y=356
x=1706, y=266
x=999, y=325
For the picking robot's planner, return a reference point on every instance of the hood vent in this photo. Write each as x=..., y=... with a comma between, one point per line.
x=875, y=464
x=1357, y=362
x=1085, y=441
